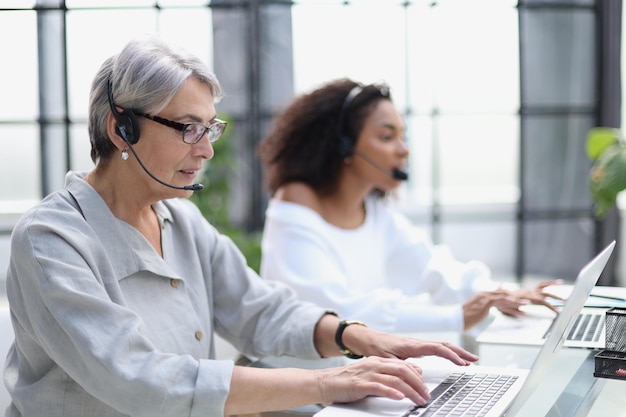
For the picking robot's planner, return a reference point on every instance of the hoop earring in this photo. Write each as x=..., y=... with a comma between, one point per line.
x=124, y=155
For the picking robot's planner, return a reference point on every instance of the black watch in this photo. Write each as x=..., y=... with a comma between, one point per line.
x=339, y=338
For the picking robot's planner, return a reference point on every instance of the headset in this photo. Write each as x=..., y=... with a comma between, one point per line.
x=127, y=124
x=346, y=148
x=345, y=145
x=127, y=127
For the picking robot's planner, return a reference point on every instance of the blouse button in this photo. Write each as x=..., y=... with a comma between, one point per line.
x=174, y=282
x=199, y=335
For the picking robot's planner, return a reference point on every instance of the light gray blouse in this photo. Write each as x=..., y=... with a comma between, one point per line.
x=106, y=327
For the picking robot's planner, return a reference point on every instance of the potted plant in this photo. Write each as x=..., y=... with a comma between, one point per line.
x=606, y=148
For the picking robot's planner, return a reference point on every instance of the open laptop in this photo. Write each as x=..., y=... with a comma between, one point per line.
x=532, y=329
x=588, y=330
x=508, y=389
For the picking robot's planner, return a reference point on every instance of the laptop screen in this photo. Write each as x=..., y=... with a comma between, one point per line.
x=586, y=280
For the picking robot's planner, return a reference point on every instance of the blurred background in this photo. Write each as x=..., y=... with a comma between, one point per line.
x=497, y=97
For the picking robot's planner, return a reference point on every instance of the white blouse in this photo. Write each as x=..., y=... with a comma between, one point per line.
x=386, y=272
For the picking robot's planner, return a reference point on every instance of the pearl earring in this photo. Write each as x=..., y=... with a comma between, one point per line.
x=124, y=154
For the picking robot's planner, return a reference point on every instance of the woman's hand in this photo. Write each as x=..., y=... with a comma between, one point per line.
x=253, y=390
x=510, y=304
x=365, y=341
x=368, y=342
x=477, y=308
x=538, y=294
x=374, y=376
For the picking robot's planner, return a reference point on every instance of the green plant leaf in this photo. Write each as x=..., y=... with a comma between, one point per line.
x=214, y=200
x=601, y=138
x=608, y=178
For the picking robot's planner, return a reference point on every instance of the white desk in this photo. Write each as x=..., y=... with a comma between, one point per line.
x=568, y=388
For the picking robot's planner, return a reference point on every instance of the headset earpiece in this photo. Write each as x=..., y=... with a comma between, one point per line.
x=127, y=126
x=345, y=147
x=127, y=123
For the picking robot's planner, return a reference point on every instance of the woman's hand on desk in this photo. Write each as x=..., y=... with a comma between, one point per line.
x=384, y=373
x=508, y=302
x=477, y=308
x=538, y=295
x=374, y=376
x=369, y=342
x=258, y=389
x=511, y=303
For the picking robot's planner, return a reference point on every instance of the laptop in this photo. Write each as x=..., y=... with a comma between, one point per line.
x=505, y=390
x=588, y=330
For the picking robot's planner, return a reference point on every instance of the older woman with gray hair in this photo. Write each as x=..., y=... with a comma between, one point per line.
x=117, y=284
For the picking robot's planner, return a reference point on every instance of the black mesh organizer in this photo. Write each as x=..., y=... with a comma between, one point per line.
x=611, y=362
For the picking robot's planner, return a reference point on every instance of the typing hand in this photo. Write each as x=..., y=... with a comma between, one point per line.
x=508, y=302
x=539, y=296
x=370, y=342
x=373, y=376
x=477, y=308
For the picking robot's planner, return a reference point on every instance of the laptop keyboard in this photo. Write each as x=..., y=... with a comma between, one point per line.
x=588, y=327
x=464, y=395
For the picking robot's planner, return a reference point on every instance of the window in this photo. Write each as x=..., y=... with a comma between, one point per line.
x=496, y=95
x=456, y=80
x=43, y=108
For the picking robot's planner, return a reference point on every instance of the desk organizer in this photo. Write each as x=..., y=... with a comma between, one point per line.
x=611, y=362
x=616, y=329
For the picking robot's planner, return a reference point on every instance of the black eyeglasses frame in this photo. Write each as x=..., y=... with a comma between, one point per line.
x=182, y=127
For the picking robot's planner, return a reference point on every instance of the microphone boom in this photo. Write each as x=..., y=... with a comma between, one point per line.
x=395, y=173
x=192, y=187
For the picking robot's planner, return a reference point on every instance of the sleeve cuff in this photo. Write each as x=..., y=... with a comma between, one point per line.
x=212, y=388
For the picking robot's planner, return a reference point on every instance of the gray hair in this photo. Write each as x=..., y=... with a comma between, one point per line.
x=144, y=76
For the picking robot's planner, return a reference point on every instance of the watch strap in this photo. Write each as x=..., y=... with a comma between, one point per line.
x=339, y=338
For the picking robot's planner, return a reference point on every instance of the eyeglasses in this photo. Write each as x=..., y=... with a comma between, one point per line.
x=192, y=132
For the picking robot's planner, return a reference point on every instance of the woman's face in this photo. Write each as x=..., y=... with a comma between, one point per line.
x=380, y=147
x=162, y=149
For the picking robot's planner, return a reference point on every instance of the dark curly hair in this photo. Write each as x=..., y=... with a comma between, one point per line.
x=304, y=142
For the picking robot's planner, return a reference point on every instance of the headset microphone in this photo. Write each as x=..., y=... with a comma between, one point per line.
x=399, y=174
x=192, y=187
x=396, y=173
x=346, y=146
x=128, y=129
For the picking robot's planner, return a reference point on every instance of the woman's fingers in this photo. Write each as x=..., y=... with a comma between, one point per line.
x=375, y=343
x=454, y=353
x=383, y=377
x=403, y=377
x=414, y=348
x=546, y=284
x=540, y=297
